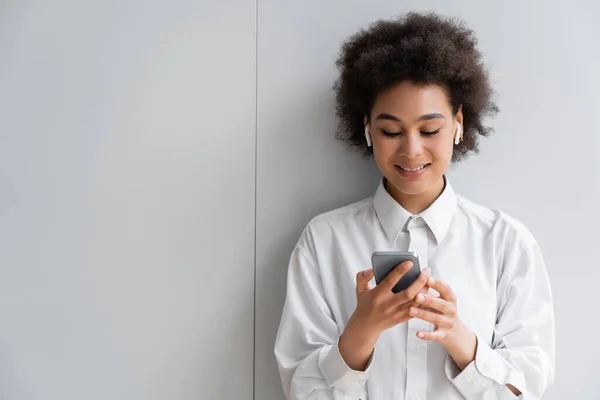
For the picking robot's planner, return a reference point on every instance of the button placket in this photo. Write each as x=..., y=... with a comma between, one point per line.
x=416, y=349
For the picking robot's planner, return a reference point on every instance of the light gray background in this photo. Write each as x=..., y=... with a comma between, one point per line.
x=127, y=205
x=155, y=175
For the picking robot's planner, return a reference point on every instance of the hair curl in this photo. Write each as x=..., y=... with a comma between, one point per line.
x=422, y=48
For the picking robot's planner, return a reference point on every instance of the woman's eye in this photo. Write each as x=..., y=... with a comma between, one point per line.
x=394, y=134
x=430, y=133
x=390, y=134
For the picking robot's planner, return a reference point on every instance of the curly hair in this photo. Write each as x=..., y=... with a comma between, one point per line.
x=421, y=48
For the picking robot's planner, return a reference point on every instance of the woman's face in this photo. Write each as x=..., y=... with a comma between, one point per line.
x=412, y=130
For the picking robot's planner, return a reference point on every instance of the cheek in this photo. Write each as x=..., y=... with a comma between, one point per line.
x=384, y=151
x=442, y=150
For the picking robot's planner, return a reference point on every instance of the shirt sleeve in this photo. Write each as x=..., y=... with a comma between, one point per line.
x=521, y=352
x=306, y=347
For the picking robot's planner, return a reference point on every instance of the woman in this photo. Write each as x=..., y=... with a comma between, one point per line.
x=478, y=323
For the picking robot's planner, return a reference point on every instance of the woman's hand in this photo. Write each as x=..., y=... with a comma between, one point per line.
x=377, y=309
x=441, y=311
x=459, y=341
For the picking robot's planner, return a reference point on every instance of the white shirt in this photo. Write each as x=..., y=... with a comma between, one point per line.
x=491, y=262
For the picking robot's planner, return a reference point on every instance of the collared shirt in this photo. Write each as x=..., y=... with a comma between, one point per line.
x=490, y=260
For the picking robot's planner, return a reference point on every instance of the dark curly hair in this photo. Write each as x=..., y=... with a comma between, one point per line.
x=422, y=48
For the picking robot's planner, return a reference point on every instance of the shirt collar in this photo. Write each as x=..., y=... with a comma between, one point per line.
x=393, y=217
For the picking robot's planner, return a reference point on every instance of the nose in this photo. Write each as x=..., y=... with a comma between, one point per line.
x=412, y=146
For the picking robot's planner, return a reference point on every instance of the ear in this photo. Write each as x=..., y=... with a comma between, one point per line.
x=459, y=116
x=368, y=133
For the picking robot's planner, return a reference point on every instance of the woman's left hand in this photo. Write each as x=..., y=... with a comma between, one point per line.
x=440, y=311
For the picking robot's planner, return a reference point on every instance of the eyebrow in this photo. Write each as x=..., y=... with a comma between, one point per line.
x=426, y=117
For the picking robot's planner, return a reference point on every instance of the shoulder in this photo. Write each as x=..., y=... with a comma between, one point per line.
x=342, y=215
x=499, y=224
x=340, y=221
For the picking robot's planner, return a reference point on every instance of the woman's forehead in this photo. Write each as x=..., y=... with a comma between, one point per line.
x=409, y=101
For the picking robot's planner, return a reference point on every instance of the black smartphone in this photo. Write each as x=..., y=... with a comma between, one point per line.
x=384, y=262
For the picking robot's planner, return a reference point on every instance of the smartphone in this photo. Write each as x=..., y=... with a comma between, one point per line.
x=384, y=262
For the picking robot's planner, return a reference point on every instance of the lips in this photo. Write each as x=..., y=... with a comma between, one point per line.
x=413, y=168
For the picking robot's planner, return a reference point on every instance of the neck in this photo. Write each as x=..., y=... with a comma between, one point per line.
x=416, y=204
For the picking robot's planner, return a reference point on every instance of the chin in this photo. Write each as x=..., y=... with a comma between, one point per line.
x=411, y=188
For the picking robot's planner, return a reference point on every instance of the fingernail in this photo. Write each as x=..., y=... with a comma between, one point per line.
x=420, y=334
x=427, y=271
x=420, y=298
x=413, y=311
x=431, y=280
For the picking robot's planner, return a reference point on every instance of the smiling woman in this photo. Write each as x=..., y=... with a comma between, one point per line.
x=413, y=93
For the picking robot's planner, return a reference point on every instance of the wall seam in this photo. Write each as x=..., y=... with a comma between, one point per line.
x=255, y=194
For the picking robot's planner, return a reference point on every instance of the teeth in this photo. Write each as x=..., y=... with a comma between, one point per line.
x=412, y=169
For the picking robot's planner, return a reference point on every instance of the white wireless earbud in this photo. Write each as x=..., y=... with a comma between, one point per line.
x=368, y=136
x=457, y=137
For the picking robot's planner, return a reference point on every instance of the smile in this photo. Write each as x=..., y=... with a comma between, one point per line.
x=412, y=169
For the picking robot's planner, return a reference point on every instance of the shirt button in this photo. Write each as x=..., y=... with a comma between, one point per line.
x=414, y=396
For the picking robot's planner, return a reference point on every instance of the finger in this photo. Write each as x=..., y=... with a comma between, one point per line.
x=410, y=292
x=437, y=304
x=431, y=316
x=424, y=292
x=443, y=289
x=393, y=277
x=434, y=336
x=422, y=307
x=362, y=281
x=407, y=306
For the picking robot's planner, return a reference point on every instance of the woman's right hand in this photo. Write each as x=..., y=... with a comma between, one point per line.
x=377, y=309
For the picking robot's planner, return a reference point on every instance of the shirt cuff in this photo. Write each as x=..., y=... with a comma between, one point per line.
x=469, y=381
x=488, y=368
x=339, y=375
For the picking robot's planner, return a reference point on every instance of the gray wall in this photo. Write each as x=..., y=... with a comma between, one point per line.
x=127, y=136
x=154, y=177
